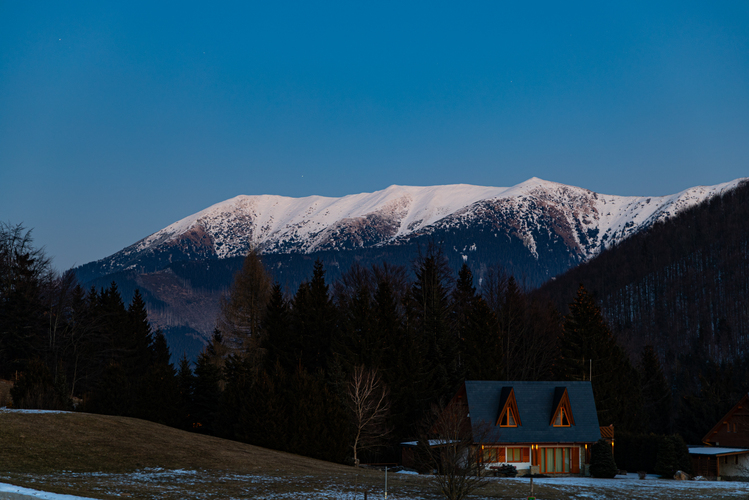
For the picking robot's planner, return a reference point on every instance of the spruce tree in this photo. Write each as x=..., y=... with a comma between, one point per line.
x=278, y=340
x=186, y=387
x=616, y=388
x=158, y=395
x=23, y=273
x=481, y=349
x=314, y=320
x=656, y=395
x=207, y=394
x=666, y=463
x=514, y=329
x=602, y=460
x=114, y=394
x=432, y=314
x=361, y=342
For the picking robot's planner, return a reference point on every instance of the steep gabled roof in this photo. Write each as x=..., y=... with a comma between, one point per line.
x=743, y=403
x=536, y=401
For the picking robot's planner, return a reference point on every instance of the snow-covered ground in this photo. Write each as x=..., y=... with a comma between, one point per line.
x=9, y=491
x=631, y=486
x=4, y=409
x=169, y=483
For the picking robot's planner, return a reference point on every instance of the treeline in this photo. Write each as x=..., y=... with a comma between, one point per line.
x=290, y=372
x=64, y=346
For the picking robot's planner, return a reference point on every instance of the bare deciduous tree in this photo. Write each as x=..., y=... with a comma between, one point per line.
x=369, y=404
x=449, y=448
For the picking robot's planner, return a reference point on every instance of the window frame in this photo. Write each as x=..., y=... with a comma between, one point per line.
x=561, y=416
x=507, y=415
x=511, y=451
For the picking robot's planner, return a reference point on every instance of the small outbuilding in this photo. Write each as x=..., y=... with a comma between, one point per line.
x=726, y=446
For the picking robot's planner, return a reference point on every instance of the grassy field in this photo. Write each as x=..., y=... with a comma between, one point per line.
x=114, y=457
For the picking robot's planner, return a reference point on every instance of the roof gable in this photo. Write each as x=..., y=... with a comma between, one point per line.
x=509, y=416
x=562, y=408
x=743, y=404
x=537, y=402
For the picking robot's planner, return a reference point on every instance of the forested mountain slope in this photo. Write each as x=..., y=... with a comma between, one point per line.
x=681, y=286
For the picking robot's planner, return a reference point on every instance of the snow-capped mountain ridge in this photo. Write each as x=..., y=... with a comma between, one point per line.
x=535, y=211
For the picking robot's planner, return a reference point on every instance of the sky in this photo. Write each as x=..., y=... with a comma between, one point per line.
x=119, y=118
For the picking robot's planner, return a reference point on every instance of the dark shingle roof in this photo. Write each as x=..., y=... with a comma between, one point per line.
x=535, y=402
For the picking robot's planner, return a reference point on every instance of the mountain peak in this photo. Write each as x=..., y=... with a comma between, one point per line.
x=536, y=211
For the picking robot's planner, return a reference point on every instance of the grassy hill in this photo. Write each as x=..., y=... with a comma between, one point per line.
x=102, y=456
x=82, y=442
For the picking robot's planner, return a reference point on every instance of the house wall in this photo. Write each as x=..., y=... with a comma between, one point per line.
x=496, y=455
x=734, y=466
x=733, y=431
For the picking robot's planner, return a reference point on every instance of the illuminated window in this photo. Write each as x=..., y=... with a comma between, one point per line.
x=555, y=460
x=490, y=455
x=514, y=454
x=508, y=419
x=561, y=419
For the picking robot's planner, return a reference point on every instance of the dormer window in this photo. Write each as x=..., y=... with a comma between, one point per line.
x=561, y=420
x=508, y=409
x=507, y=420
x=562, y=409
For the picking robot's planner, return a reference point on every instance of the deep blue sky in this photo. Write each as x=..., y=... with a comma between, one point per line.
x=117, y=120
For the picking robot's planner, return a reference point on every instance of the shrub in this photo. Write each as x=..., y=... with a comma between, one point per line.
x=635, y=451
x=36, y=389
x=602, y=460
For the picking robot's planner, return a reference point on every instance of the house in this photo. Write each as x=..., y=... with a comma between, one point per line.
x=548, y=425
x=726, y=446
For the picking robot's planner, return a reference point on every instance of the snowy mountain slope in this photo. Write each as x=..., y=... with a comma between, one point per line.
x=537, y=212
x=586, y=221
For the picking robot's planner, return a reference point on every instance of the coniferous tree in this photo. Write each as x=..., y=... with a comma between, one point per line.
x=668, y=457
x=404, y=368
x=602, y=460
x=158, y=395
x=314, y=321
x=360, y=341
x=186, y=387
x=207, y=394
x=514, y=330
x=24, y=271
x=318, y=419
x=36, y=389
x=139, y=348
x=656, y=395
x=432, y=321
x=482, y=354
x=278, y=340
x=586, y=338
x=114, y=392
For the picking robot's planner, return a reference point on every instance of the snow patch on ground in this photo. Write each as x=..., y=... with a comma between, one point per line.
x=17, y=490
x=17, y=410
x=632, y=486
